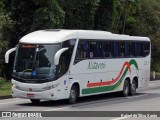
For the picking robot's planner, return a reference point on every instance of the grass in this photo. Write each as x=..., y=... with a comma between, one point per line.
x=5, y=87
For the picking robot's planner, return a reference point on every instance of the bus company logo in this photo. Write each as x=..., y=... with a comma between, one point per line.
x=95, y=65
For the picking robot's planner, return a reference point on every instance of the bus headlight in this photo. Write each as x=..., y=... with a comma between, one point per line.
x=15, y=85
x=50, y=86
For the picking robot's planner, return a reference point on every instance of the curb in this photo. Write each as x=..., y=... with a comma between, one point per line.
x=5, y=97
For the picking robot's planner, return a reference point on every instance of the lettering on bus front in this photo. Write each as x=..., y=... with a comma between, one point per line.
x=95, y=65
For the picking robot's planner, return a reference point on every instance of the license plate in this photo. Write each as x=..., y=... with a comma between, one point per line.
x=30, y=95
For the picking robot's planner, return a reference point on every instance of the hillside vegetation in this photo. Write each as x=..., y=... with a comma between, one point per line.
x=132, y=17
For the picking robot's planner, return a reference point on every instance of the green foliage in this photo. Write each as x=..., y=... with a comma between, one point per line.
x=133, y=17
x=47, y=15
x=105, y=15
x=5, y=87
x=19, y=17
x=148, y=24
x=31, y=15
x=3, y=48
x=79, y=14
x=126, y=17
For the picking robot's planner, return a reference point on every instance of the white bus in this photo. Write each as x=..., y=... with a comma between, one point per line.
x=67, y=64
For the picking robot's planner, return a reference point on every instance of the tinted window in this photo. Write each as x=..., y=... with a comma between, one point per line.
x=99, y=49
x=139, y=49
x=93, y=49
x=108, y=49
x=89, y=49
x=129, y=49
x=146, y=49
x=116, y=49
x=122, y=49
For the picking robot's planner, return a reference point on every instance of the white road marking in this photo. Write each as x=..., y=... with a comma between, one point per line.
x=120, y=118
x=137, y=96
x=152, y=84
x=56, y=109
x=12, y=102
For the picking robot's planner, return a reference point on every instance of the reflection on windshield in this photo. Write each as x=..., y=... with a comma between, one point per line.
x=35, y=61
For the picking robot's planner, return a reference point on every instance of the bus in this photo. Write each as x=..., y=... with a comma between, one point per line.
x=56, y=64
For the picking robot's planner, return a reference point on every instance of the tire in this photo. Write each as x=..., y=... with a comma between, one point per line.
x=35, y=101
x=133, y=88
x=73, y=95
x=126, y=89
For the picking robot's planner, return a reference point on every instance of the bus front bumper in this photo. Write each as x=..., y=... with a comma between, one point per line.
x=44, y=95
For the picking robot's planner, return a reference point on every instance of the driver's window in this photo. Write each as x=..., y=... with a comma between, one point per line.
x=63, y=64
x=65, y=58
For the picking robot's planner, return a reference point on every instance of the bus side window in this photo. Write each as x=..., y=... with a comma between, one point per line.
x=105, y=49
x=99, y=49
x=146, y=49
x=122, y=49
x=79, y=54
x=133, y=52
x=129, y=49
x=141, y=49
x=92, y=52
x=82, y=51
x=108, y=50
x=116, y=49
x=86, y=49
x=137, y=49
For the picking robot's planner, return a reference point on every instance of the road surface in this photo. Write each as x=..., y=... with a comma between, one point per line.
x=146, y=99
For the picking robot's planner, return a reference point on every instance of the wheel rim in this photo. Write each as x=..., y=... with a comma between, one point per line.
x=73, y=95
x=133, y=88
x=126, y=89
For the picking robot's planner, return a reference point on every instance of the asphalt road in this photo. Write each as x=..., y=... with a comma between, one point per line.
x=146, y=99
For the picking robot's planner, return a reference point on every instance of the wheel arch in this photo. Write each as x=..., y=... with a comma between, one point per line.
x=77, y=85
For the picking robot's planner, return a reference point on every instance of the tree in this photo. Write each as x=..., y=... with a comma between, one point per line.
x=106, y=15
x=25, y=16
x=143, y=20
x=79, y=14
x=126, y=17
x=31, y=15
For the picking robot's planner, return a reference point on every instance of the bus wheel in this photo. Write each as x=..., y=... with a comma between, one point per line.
x=125, y=91
x=133, y=88
x=73, y=95
x=35, y=101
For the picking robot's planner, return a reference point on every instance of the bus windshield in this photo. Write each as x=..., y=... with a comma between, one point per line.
x=35, y=62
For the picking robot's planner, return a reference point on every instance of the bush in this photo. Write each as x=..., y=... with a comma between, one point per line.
x=2, y=82
x=5, y=87
x=3, y=49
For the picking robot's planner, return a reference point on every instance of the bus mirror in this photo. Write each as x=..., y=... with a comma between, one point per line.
x=58, y=54
x=8, y=53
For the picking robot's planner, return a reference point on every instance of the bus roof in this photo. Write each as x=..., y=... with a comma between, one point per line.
x=51, y=36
